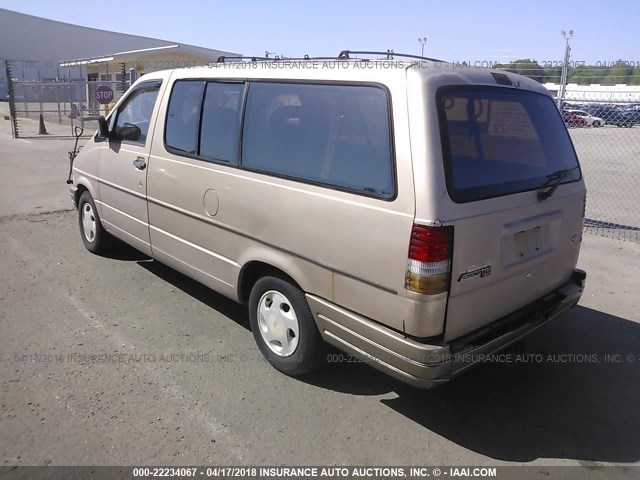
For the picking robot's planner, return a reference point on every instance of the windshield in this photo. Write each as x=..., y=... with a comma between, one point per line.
x=498, y=141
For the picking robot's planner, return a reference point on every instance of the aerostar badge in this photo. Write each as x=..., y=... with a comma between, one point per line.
x=481, y=270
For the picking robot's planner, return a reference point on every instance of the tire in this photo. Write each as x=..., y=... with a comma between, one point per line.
x=95, y=238
x=287, y=336
x=597, y=124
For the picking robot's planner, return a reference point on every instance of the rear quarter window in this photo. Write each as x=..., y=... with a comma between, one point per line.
x=499, y=141
x=333, y=135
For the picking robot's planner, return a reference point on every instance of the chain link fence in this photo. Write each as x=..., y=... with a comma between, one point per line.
x=606, y=136
x=600, y=104
x=50, y=108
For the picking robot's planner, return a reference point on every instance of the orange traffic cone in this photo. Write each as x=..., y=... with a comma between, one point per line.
x=42, y=130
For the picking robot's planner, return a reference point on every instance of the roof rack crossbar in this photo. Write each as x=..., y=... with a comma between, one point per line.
x=346, y=55
x=224, y=58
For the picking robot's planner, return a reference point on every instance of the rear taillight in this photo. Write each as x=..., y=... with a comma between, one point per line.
x=429, y=260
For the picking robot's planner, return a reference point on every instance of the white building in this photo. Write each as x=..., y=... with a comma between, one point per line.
x=621, y=93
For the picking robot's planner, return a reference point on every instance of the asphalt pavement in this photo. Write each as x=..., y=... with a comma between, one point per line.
x=120, y=360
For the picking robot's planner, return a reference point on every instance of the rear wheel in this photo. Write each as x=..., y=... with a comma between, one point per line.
x=95, y=238
x=283, y=326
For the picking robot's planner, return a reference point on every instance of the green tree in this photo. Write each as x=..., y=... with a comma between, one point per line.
x=634, y=79
x=553, y=75
x=527, y=67
x=587, y=74
x=619, y=73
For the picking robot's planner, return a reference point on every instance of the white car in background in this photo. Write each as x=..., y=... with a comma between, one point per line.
x=590, y=120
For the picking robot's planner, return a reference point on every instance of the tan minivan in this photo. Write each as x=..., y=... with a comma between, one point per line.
x=414, y=215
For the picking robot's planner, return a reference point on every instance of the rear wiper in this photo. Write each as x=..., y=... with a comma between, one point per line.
x=553, y=180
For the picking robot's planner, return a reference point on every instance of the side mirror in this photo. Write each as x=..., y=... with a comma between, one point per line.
x=128, y=132
x=103, y=127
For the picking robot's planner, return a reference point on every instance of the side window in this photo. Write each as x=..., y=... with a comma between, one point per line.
x=337, y=135
x=204, y=119
x=183, y=118
x=137, y=110
x=220, y=128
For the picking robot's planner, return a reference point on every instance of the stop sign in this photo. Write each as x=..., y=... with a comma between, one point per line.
x=104, y=94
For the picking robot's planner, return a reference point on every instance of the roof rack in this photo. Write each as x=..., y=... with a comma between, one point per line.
x=346, y=55
x=306, y=57
x=223, y=58
x=343, y=55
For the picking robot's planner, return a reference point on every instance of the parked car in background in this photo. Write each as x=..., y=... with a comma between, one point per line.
x=599, y=110
x=633, y=114
x=615, y=115
x=622, y=118
x=572, y=119
x=589, y=120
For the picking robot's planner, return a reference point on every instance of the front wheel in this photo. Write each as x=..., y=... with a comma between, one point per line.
x=95, y=238
x=283, y=326
x=597, y=124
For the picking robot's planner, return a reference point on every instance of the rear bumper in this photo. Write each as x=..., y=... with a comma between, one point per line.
x=427, y=364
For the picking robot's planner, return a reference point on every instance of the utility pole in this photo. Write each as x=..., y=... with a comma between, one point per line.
x=565, y=67
x=423, y=42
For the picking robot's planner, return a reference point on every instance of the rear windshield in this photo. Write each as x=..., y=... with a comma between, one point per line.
x=498, y=141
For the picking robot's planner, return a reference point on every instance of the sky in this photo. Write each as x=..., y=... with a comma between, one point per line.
x=456, y=30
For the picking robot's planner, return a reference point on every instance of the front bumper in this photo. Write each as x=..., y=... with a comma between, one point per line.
x=427, y=364
x=72, y=192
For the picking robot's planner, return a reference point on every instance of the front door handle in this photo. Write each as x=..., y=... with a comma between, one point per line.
x=139, y=163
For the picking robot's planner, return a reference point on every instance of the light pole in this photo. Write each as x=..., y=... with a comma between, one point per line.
x=422, y=41
x=565, y=67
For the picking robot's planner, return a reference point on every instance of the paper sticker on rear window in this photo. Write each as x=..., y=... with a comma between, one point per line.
x=510, y=119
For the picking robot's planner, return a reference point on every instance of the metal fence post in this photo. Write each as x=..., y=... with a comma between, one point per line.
x=58, y=102
x=40, y=95
x=123, y=79
x=12, y=100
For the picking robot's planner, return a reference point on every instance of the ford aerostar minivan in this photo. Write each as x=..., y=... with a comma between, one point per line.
x=414, y=215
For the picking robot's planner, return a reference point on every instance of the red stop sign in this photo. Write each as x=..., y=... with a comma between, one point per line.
x=104, y=95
